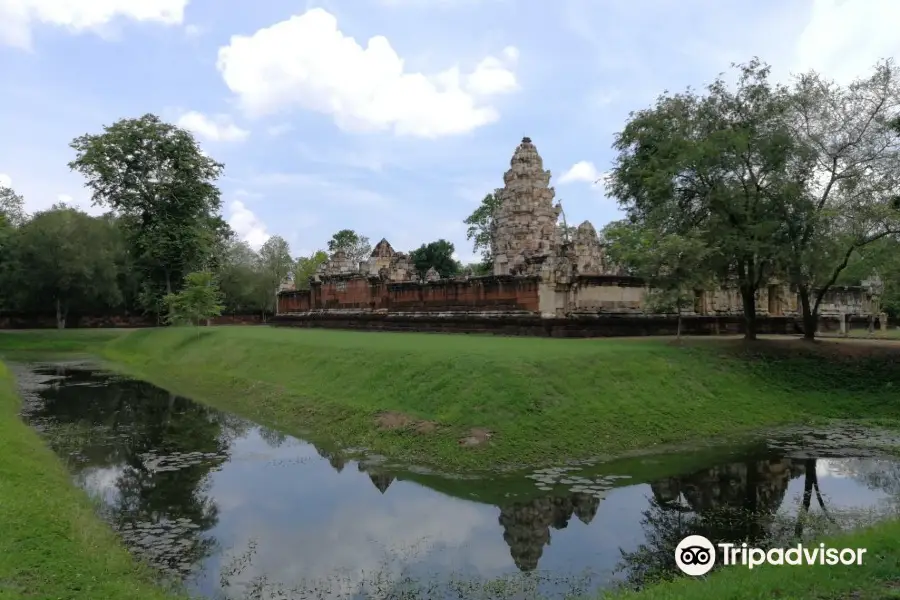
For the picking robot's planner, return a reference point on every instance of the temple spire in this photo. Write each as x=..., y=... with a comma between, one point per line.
x=526, y=221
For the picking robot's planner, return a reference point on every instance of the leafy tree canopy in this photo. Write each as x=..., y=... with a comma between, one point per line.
x=847, y=174
x=673, y=265
x=62, y=260
x=12, y=208
x=481, y=227
x=438, y=254
x=276, y=265
x=200, y=299
x=355, y=246
x=774, y=181
x=156, y=177
x=306, y=267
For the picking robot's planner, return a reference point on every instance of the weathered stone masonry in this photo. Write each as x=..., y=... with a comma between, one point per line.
x=542, y=284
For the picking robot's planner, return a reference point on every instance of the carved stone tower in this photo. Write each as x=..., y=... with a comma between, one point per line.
x=526, y=231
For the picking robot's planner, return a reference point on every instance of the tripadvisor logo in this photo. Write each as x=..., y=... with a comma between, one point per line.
x=695, y=555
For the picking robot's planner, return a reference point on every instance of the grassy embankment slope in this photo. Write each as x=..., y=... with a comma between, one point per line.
x=545, y=400
x=51, y=543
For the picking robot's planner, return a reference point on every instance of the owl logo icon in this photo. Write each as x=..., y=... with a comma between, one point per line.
x=695, y=555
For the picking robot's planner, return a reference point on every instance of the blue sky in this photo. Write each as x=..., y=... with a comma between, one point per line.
x=390, y=117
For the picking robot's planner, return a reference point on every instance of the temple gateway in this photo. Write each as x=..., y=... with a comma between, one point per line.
x=544, y=282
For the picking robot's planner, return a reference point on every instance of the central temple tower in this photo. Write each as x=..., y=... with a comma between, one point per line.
x=526, y=230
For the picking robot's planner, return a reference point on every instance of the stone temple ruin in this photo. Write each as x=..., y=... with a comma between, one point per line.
x=544, y=282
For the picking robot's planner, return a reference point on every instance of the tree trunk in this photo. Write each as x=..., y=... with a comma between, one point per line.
x=678, y=325
x=168, y=282
x=170, y=409
x=60, y=315
x=822, y=500
x=748, y=297
x=808, y=484
x=750, y=521
x=810, y=318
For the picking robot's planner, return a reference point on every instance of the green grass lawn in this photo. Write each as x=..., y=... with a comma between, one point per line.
x=878, y=578
x=544, y=400
x=52, y=546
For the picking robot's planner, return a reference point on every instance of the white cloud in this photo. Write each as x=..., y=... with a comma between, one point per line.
x=247, y=225
x=307, y=62
x=17, y=17
x=218, y=128
x=491, y=75
x=582, y=171
x=844, y=39
x=5, y=180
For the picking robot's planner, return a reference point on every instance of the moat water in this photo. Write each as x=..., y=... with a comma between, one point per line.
x=233, y=510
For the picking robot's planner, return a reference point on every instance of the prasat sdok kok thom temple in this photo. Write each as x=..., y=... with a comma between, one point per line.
x=544, y=283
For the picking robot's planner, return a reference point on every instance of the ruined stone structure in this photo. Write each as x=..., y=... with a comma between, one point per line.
x=526, y=222
x=543, y=283
x=388, y=265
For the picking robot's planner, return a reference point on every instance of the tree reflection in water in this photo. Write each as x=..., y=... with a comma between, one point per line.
x=151, y=455
x=147, y=452
x=733, y=503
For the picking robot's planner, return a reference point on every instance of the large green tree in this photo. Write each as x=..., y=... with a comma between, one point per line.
x=717, y=164
x=848, y=165
x=437, y=254
x=355, y=246
x=306, y=267
x=12, y=208
x=157, y=179
x=65, y=260
x=199, y=300
x=481, y=229
x=241, y=279
x=12, y=215
x=671, y=264
x=275, y=265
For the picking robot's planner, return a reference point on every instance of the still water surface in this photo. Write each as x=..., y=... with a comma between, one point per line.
x=234, y=510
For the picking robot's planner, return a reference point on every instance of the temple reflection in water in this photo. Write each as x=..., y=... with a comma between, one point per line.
x=526, y=525
x=730, y=502
x=181, y=483
x=735, y=502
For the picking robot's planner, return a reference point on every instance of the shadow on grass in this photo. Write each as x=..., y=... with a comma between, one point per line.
x=865, y=375
x=196, y=336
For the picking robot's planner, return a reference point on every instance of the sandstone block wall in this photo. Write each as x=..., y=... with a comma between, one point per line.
x=533, y=325
x=849, y=301
x=608, y=295
x=369, y=294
